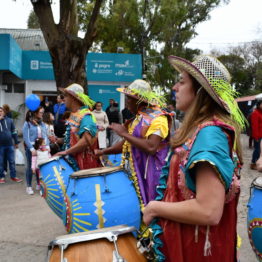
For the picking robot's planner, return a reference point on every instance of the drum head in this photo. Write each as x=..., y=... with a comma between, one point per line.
x=49, y=160
x=98, y=171
x=257, y=182
x=109, y=233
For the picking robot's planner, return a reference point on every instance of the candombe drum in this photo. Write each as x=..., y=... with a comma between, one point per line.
x=54, y=177
x=100, y=197
x=254, y=218
x=107, y=245
x=114, y=160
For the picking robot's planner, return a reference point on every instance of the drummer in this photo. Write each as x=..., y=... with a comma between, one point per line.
x=81, y=132
x=145, y=138
x=195, y=215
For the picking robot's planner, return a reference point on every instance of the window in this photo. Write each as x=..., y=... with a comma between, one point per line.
x=19, y=88
x=9, y=88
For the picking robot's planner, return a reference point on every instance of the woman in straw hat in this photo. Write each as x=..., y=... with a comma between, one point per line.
x=195, y=213
x=81, y=131
x=144, y=145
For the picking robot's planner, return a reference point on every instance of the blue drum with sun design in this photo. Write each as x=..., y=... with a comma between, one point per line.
x=254, y=218
x=54, y=178
x=114, y=160
x=100, y=197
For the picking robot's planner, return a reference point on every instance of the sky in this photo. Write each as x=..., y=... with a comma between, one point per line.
x=237, y=22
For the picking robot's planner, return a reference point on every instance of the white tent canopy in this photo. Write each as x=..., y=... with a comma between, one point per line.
x=259, y=96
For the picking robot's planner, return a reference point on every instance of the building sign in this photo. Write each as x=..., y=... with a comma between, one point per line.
x=103, y=93
x=10, y=55
x=37, y=65
x=113, y=67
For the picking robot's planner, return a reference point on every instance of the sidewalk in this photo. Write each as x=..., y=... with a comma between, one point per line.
x=28, y=224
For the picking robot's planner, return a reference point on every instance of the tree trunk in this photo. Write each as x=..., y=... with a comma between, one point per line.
x=68, y=52
x=68, y=58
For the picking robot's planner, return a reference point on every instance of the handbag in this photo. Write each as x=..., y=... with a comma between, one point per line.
x=19, y=157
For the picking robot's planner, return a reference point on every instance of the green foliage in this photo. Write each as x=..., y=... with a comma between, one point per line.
x=244, y=63
x=15, y=114
x=239, y=72
x=155, y=29
x=32, y=21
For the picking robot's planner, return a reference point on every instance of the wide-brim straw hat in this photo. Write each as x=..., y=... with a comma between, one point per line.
x=142, y=91
x=77, y=91
x=208, y=71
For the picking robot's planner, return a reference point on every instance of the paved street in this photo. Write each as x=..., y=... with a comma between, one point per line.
x=28, y=224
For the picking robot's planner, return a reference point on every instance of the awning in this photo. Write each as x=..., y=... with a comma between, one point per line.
x=246, y=98
x=259, y=96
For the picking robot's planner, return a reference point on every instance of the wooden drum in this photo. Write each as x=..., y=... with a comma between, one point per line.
x=113, y=244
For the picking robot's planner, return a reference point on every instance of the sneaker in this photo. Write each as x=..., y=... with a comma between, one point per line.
x=15, y=179
x=253, y=166
x=38, y=187
x=29, y=191
x=2, y=180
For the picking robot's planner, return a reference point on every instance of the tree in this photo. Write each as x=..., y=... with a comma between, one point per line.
x=245, y=65
x=241, y=77
x=152, y=28
x=155, y=29
x=67, y=50
x=32, y=21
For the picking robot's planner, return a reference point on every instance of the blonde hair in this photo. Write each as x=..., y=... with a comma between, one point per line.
x=204, y=109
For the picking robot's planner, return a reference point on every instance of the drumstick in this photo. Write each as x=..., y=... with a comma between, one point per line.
x=102, y=161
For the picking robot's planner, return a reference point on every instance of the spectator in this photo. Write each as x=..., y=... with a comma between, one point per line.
x=7, y=134
x=42, y=154
x=102, y=124
x=8, y=113
x=112, y=115
x=59, y=110
x=7, y=110
x=126, y=113
x=259, y=161
x=256, y=128
x=115, y=118
x=175, y=121
x=111, y=104
x=47, y=105
x=48, y=120
x=33, y=128
x=249, y=128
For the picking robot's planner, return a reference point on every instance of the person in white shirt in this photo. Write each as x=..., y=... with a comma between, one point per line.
x=102, y=123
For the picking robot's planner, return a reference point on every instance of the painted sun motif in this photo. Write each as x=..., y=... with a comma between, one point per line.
x=77, y=220
x=77, y=215
x=52, y=192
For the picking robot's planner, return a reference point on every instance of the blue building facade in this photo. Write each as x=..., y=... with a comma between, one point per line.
x=105, y=71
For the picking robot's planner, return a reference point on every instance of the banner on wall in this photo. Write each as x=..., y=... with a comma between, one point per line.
x=113, y=67
x=37, y=65
x=103, y=93
x=100, y=67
